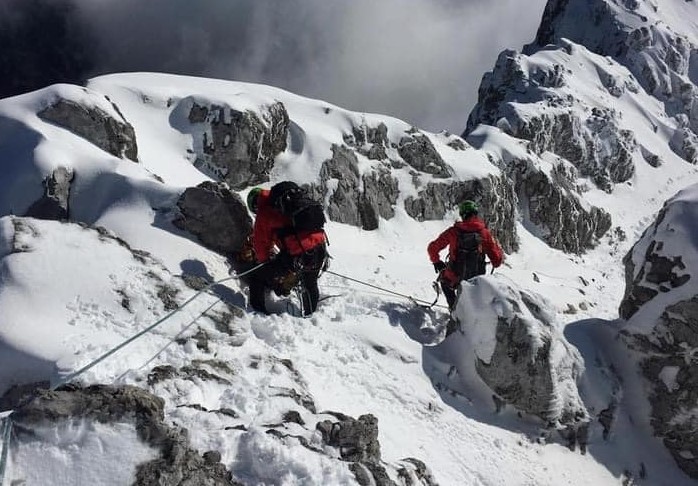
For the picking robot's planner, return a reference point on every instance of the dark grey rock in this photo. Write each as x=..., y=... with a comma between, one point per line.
x=115, y=136
x=591, y=140
x=494, y=194
x=240, y=147
x=418, y=151
x=54, y=203
x=216, y=216
x=358, y=201
x=554, y=207
x=178, y=463
x=661, y=331
x=659, y=58
x=356, y=439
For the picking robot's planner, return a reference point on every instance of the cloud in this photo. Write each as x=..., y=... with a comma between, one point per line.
x=419, y=60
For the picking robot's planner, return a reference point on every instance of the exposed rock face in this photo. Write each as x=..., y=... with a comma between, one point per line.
x=418, y=151
x=54, y=203
x=115, y=136
x=217, y=217
x=357, y=440
x=524, y=102
x=178, y=464
x=551, y=203
x=239, y=147
x=495, y=196
x=656, y=270
x=661, y=308
x=523, y=358
x=357, y=200
x=636, y=35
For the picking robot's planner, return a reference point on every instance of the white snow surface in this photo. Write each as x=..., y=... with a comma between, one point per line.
x=62, y=305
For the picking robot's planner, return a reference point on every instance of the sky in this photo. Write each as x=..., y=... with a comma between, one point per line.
x=419, y=60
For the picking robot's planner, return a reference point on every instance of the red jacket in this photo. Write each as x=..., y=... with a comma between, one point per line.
x=265, y=234
x=450, y=238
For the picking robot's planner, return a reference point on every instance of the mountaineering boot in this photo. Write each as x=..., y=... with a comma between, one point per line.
x=283, y=284
x=452, y=326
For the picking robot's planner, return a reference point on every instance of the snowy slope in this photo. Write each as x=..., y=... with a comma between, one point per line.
x=63, y=291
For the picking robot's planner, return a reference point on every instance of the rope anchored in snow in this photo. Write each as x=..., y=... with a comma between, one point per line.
x=415, y=300
x=7, y=419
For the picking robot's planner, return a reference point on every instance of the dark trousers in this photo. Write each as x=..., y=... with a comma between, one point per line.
x=304, y=269
x=449, y=293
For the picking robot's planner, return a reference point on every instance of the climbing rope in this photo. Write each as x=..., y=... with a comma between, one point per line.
x=405, y=296
x=7, y=420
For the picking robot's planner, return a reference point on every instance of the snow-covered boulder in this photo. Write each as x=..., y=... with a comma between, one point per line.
x=95, y=119
x=217, y=217
x=104, y=413
x=237, y=146
x=520, y=353
x=661, y=309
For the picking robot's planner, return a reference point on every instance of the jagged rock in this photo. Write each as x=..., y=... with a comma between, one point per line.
x=357, y=440
x=239, y=147
x=112, y=135
x=372, y=142
x=494, y=194
x=661, y=308
x=178, y=463
x=520, y=354
x=217, y=217
x=356, y=200
x=54, y=203
x=684, y=142
x=418, y=151
x=660, y=57
x=550, y=203
x=518, y=98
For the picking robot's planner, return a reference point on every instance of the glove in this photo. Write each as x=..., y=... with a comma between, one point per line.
x=439, y=266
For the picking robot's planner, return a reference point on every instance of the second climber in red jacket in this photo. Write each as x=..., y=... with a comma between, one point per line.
x=468, y=242
x=301, y=254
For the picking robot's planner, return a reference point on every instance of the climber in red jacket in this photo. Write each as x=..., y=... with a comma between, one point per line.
x=301, y=253
x=468, y=242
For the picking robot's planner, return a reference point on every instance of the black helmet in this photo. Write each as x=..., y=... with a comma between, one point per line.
x=252, y=197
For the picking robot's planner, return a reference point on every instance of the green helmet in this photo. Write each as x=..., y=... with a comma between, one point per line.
x=252, y=199
x=467, y=208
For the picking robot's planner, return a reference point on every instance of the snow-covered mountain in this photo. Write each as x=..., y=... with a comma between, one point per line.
x=121, y=203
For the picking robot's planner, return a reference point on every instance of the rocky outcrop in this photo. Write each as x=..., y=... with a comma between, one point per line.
x=525, y=100
x=215, y=215
x=520, y=354
x=177, y=464
x=54, y=203
x=417, y=151
x=551, y=203
x=357, y=443
x=358, y=200
x=638, y=36
x=238, y=147
x=661, y=309
x=494, y=194
x=113, y=135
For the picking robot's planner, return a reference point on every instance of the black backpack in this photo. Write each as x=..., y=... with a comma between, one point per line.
x=470, y=259
x=293, y=201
